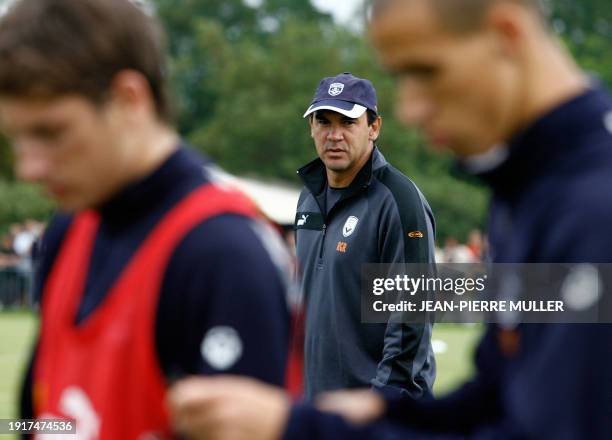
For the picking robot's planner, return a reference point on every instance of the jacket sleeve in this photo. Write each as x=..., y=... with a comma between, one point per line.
x=474, y=404
x=408, y=365
x=305, y=423
x=222, y=307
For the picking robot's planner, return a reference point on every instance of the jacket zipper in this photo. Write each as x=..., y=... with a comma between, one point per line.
x=320, y=265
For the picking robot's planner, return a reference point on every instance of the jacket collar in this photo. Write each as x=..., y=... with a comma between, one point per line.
x=554, y=137
x=314, y=175
x=138, y=199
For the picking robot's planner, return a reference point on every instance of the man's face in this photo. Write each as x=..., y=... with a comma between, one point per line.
x=343, y=144
x=67, y=144
x=461, y=90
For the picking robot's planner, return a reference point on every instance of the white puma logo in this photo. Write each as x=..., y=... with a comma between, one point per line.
x=302, y=221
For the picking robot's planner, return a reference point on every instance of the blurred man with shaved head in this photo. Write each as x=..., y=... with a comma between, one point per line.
x=488, y=81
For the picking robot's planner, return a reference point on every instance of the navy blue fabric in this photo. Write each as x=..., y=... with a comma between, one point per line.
x=343, y=91
x=220, y=274
x=552, y=203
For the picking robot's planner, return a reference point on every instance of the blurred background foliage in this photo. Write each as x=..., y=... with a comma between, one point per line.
x=243, y=76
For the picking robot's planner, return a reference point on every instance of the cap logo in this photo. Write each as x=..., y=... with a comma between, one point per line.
x=335, y=89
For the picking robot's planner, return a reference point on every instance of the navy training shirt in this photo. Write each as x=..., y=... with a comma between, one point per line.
x=221, y=274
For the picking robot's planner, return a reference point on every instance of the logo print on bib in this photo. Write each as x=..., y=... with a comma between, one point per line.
x=349, y=226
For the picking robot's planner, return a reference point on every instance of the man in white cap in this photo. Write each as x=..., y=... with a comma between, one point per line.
x=356, y=208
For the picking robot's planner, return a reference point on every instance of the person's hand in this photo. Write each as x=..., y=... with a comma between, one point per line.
x=226, y=407
x=359, y=407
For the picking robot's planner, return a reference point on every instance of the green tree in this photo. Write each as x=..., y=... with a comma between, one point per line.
x=586, y=28
x=263, y=91
x=22, y=201
x=200, y=31
x=244, y=76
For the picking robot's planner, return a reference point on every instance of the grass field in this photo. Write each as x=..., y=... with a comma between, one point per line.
x=454, y=343
x=454, y=357
x=17, y=331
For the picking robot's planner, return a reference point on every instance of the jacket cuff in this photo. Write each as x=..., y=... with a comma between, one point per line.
x=300, y=425
x=397, y=403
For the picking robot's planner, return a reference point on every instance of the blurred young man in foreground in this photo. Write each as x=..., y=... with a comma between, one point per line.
x=152, y=271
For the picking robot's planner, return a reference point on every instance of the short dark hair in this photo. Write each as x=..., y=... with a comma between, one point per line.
x=465, y=15
x=372, y=116
x=56, y=47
